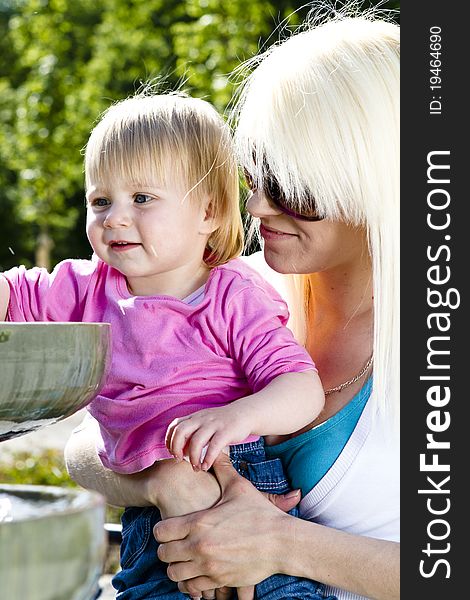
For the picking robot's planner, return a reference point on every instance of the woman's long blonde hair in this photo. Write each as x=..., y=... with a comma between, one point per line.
x=321, y=110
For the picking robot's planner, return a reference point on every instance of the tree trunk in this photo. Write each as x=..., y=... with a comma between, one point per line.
x=43, y=250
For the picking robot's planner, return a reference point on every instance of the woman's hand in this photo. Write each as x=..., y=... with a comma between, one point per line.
x=215, y=548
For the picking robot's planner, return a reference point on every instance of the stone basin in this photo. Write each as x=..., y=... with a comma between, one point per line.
x=52, y=540
x=48, y=371
x=52, y=543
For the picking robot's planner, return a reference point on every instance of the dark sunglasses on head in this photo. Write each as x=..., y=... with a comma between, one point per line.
x=274, y=193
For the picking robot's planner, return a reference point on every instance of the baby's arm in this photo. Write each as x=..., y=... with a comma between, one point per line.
x=288, y=403
x=4, y=297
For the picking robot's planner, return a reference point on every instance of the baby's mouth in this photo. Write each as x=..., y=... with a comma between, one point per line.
x=123, y=245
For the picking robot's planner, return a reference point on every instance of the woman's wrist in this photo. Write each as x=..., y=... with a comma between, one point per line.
x=275, y=532
x=308, y=548
x=337, y=558
x=285, y=545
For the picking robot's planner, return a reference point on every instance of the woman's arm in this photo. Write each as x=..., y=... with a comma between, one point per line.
x=363, y=565
x=85, y=467
x=174, y=487
x=215, y=548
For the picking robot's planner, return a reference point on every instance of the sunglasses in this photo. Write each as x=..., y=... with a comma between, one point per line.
x=274, y=193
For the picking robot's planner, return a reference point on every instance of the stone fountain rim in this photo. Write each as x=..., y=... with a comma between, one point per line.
x=91, y=499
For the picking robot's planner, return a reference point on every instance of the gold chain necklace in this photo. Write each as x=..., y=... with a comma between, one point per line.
x=361, y=373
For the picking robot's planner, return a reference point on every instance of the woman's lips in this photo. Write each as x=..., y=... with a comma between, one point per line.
x=274, y=234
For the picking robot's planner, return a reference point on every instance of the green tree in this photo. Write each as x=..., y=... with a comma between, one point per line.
x=64, y=61
x=71, y=59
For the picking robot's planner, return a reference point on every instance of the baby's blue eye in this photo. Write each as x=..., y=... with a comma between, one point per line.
x=100, y=202
x=141, y=198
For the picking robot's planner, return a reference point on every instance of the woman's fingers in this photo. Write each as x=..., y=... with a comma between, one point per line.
x=226, y=475
x=285, y=502
x=178, y=551
x=176, y=528
x=194, y=586
x=184, y=573
x=224, y=593
x=246, y=593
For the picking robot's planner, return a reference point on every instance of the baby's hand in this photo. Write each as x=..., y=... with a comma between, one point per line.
x=212, y=427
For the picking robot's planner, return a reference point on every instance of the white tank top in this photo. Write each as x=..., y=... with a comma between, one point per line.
x=360, y=494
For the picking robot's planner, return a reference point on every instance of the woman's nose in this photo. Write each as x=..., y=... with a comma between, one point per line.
x=259, y=206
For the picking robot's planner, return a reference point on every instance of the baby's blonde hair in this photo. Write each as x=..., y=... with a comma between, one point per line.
x=172, y=137
x=321, y=112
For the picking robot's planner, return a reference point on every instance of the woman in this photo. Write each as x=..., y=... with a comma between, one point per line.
x=317, y=133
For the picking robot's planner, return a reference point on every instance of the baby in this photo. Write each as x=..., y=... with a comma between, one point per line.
x=201, y=356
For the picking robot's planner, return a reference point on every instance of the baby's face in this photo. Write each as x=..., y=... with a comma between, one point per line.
x=152, y=233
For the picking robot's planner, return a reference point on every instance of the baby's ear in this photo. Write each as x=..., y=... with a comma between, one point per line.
x=210, y=222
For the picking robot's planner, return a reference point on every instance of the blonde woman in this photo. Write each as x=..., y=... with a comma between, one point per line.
x=318, y=136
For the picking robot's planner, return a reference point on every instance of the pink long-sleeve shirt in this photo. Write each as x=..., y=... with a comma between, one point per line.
x=169, y=358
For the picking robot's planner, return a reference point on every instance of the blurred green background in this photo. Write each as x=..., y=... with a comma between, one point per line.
x=62, y=62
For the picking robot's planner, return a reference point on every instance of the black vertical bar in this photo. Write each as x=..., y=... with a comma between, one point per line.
x=435, y=235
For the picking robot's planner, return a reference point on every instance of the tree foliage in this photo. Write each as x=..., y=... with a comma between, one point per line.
x=64, y=61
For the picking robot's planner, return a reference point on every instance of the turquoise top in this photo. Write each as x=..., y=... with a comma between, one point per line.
x=307, y=457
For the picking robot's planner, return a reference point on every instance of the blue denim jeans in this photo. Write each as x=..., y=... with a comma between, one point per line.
x=143, y=575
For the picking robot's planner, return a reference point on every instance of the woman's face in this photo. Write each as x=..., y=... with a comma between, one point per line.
x=294, y=246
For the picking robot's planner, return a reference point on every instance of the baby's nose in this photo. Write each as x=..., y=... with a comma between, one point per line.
x=117, y=216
